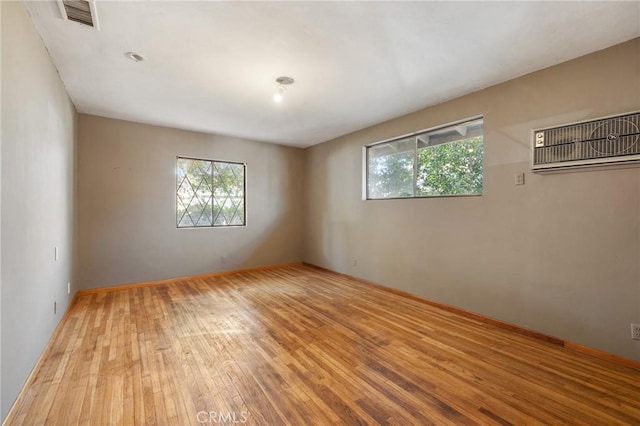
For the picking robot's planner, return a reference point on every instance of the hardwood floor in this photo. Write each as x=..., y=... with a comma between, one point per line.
x=304, y=347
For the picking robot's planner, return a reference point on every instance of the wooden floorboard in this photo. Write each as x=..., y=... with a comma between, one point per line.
x=300, y=346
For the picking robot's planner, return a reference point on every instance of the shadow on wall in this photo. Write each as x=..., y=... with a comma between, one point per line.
x=337, y=190
x=276, y=242
x=278, y=217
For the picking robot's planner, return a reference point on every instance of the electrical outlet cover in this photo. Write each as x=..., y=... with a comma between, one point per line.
x=635, y=331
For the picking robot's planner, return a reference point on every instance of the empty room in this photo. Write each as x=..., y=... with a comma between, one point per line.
x=319, y=213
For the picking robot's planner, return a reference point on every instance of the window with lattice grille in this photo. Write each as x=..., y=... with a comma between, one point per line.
x=209, y=193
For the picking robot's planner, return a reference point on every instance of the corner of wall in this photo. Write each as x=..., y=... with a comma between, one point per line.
x=38, y=127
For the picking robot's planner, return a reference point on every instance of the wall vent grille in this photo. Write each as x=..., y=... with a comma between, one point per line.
x=602, y=141
x=81, y=11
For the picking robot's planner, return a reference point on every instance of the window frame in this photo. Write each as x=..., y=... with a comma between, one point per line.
x=366, y=149
x=244, y=192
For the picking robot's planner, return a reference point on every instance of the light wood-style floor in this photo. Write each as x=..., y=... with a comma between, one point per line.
x=304, y=347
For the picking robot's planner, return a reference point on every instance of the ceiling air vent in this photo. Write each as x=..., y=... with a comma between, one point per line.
x=605, y=141
x=81, y=11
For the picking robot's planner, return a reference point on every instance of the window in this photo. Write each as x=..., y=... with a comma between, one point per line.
x=209, y=193
x=445, y=161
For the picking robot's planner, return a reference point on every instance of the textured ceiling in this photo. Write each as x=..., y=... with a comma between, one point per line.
x=211, y=66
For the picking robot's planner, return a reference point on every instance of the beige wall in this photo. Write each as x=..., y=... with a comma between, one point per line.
x=37, y=174
x=126, y=204
x=560, y=254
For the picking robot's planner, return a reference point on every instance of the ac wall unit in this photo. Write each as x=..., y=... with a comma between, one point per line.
x=611, y=141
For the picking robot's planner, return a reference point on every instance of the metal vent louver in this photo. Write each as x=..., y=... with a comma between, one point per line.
x=602, y=141
x=81, y=11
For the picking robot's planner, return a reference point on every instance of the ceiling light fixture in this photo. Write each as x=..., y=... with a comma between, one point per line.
x=134, y=56
x=282, y=83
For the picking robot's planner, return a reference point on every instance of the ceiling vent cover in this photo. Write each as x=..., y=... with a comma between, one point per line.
x=609, y=140
x=81, y=11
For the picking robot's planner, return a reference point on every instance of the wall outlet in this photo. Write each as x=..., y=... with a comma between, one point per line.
x=519, y=179
x=223, y=260
x=68, y=288
x=355, y=262
x=635, y=331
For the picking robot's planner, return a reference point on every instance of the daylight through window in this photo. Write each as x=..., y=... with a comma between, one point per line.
x=446, y=161
x=209, y=193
